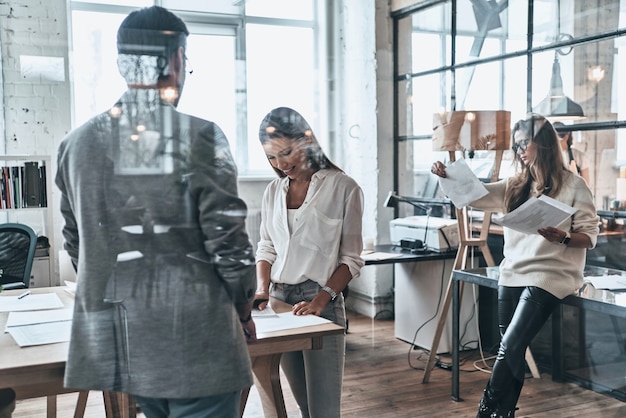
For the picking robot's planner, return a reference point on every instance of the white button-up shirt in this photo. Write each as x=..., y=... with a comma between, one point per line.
x=326, y=229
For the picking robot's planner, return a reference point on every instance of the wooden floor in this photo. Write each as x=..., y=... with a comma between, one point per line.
x=383, y=380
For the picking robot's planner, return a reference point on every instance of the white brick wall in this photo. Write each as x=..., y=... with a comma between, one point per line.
x=37, y=113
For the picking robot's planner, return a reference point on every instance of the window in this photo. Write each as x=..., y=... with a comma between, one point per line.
x=242, y=65
x=482, y=58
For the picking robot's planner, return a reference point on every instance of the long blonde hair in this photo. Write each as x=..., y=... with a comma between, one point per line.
x=547, y=170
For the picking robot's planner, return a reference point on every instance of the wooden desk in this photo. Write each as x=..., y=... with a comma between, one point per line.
x=34, y=371
x=267, y=352
x=39, y=370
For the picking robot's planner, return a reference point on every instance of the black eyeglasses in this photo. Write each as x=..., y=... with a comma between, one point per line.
x=521, y=145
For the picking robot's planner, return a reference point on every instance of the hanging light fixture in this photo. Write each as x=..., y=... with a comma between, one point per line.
x=556, y=105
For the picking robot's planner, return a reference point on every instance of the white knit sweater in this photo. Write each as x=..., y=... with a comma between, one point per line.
x=530, y=259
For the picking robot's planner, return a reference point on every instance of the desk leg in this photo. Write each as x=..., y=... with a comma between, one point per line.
x=119, y=405
x=243, y=401
x=267, y=380
x=81, y=404
x=456, y=302
x=51, y=405
x=557, y=344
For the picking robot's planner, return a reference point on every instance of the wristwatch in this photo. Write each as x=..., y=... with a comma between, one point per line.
x=331, y=292
x=566, y=238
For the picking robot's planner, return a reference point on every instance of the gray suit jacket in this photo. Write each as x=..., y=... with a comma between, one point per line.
x=155, y=226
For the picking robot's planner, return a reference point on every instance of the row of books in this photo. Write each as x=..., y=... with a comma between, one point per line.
x=23, y=186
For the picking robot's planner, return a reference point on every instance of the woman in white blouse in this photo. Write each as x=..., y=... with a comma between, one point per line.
x=309, y=251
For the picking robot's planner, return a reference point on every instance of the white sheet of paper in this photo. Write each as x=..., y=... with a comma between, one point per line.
x=613, y=282
x=30, y=302
x=268, y=312
x=288, y=320
x=536, y=213
x=461, y=185
x=375, y=256
x=18, y=319
x=38, y=334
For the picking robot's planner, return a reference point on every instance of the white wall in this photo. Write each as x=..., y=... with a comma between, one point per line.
x=365, y=128
x=36, y=110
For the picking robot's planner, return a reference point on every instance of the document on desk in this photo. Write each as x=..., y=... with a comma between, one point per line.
x=288, y=320
x=461, y=184
x=377, y=255
x=30, y=302
x=268, y=312
x=536, y=213
x=612, y=282
x=39, y=327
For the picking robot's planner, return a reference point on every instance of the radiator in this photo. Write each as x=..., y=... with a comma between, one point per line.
x=253, y=226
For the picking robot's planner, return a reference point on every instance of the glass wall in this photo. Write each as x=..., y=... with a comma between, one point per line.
x=515, y=55
x=561, y=58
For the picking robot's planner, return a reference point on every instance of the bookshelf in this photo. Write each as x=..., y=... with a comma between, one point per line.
x=25, y=197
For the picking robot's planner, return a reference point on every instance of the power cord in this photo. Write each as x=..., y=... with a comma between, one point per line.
x=411, y=347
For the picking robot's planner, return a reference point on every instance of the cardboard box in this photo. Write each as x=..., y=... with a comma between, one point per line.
x=441, y=234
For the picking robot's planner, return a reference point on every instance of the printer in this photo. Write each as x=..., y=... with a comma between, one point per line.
x=439, y=234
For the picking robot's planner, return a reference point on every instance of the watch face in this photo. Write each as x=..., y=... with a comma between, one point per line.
x=566, y=240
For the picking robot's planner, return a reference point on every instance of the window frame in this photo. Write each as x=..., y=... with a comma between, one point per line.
x=402, y=142
x=198, y=22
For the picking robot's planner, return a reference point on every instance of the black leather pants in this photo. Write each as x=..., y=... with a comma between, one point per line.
x=522, y=311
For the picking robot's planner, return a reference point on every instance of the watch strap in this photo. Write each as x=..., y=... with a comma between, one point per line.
x=331, y=292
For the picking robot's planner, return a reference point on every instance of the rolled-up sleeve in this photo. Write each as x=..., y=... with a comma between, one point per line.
x=351, y=244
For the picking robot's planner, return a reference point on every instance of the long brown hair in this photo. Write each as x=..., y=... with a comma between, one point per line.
x=547, y=170
x=284, y=122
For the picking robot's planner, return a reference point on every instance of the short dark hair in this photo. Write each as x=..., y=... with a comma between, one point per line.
x=148, y=21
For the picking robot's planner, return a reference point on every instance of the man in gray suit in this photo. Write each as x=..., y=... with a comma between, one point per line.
x=156, y=230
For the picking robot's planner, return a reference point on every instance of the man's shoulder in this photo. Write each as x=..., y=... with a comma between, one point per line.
x=97, y=125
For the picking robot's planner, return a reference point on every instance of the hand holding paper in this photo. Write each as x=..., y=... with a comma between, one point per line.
x=536, y=213
x=461, y=185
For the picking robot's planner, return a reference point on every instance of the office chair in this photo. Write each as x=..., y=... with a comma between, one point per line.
x=17, y=252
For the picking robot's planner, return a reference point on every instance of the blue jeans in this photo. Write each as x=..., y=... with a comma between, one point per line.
x=315, y=376
x=219, y=406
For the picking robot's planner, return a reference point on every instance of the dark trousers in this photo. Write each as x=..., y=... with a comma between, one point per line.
x=522, y=311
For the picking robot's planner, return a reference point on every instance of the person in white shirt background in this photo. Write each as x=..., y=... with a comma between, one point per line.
x=576, y=160
x=309, y=250
x=538, y=269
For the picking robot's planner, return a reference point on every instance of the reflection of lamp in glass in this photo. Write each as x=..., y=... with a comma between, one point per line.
x=556, y=105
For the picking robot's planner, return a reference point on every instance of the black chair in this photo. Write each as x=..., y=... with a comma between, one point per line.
x=17, y=252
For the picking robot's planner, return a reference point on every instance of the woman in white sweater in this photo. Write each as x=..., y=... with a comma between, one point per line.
x=538, y=269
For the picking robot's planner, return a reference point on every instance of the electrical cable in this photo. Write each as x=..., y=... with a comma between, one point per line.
x=412, y=345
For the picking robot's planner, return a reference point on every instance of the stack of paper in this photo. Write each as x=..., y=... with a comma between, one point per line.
x=612, y=282
x=287, y=320
x=40, y=327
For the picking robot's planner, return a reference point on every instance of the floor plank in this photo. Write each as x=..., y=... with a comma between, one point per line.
x=380, y=382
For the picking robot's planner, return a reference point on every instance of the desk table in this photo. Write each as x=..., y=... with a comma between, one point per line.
x=420, y=280
x=39, y=370
x=406, y=256
x=588, y=298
